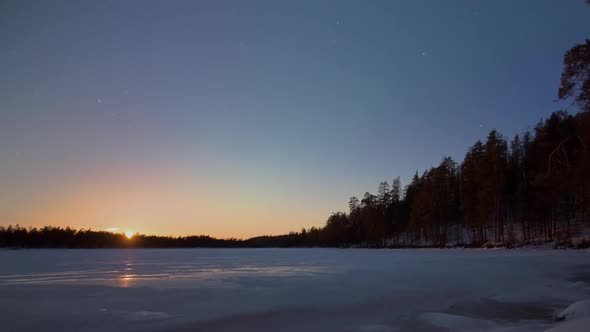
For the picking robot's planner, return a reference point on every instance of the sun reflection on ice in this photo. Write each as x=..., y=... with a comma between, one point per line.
x=126, y=280
x=127, y=277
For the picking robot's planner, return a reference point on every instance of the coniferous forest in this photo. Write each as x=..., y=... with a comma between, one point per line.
x=507, y=191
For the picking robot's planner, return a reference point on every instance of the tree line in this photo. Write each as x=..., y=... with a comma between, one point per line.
x=67, y=237
x=534, y=186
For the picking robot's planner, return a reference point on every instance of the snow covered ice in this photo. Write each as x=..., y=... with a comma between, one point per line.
x=294, y=290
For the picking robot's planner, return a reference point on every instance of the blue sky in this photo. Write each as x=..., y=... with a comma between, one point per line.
x=237, y=118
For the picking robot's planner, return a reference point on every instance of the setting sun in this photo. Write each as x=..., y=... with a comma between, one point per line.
x=129, y=235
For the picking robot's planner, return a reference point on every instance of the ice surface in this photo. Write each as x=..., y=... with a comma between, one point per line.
x=458, y=323
x=289, y=289
x=578, y=325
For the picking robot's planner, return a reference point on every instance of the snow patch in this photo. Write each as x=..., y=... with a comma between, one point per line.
x=577, y=310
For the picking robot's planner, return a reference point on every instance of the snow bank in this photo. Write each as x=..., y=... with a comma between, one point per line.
x=577, y=317
x=577, y=310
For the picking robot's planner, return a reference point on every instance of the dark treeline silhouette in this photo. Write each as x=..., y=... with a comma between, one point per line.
x=66, y=237
x=58, y=237
x=534, y=186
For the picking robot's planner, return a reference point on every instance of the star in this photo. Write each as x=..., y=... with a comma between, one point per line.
x=98, y=100
x=424, y=53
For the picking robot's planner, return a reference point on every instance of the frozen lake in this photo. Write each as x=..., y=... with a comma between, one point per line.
x=288, y=289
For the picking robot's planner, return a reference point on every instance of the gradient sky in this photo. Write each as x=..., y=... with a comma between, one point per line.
x=240, y=118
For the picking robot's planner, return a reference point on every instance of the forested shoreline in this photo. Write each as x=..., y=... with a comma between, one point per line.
x=532, y=187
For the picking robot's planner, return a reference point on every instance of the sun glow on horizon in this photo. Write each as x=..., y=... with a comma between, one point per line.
x=129, y=235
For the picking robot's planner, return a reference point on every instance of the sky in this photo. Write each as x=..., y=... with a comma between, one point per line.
x=242, y=118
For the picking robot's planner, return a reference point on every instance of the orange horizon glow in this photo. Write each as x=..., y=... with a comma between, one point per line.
x=163, y=201
x=166, y=204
